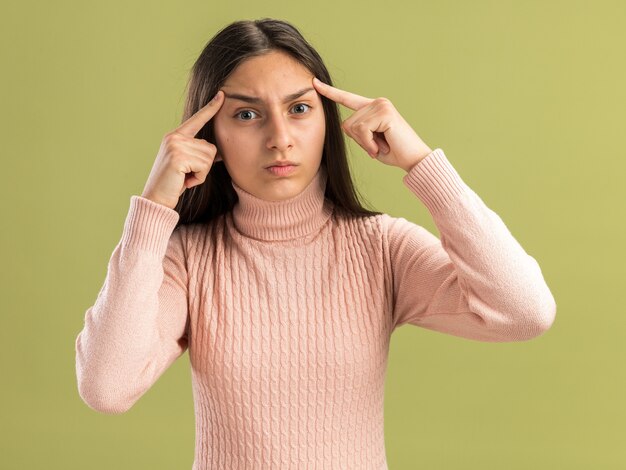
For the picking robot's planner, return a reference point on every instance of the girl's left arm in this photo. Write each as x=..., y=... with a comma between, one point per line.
x=476, y=281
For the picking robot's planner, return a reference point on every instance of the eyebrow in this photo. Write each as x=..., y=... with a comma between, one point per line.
x=255, y=100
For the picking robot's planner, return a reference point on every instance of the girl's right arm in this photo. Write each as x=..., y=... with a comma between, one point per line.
x=138, y=325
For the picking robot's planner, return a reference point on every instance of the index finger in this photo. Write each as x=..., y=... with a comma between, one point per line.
x=349, y=100
x=193, y=125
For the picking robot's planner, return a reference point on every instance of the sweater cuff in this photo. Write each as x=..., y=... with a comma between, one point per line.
x=435, y=181
x=149, y=225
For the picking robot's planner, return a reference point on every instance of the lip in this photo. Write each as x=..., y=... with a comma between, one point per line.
x=281, y=163
x=281, y=170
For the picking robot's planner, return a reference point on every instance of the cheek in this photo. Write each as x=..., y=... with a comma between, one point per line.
x=319, y=130
x=223, y=134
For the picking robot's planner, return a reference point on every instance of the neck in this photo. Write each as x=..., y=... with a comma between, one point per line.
x=298, y=216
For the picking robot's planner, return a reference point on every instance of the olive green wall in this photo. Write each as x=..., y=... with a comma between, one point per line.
x=526, y=98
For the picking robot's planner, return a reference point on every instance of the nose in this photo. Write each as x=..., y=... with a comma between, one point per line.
x=279, y=137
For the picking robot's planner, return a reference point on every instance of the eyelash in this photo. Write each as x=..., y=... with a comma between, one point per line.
x=249, y=110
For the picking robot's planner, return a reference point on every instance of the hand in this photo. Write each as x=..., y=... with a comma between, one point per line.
x=183, y=161
x=378, y=127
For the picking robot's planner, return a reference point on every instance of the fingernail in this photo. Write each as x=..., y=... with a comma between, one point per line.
x=216, y=95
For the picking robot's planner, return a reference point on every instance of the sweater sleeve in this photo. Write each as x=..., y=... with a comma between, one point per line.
x=477, y=282
x=137, y=326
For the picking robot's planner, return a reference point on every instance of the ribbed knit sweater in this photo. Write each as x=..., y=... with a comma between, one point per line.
x=287, y=309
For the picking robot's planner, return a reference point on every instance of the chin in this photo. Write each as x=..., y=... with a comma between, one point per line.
x=283, y=193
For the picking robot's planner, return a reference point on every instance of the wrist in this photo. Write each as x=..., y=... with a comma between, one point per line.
x=417, y=160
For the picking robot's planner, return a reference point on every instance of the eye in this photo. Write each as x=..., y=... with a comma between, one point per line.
x=302, y=104
x=248, y=111
x=244, y=111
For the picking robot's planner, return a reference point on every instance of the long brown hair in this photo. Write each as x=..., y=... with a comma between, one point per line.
x=230, y=46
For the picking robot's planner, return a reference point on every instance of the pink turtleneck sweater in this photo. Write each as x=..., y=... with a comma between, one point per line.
x=287, y=310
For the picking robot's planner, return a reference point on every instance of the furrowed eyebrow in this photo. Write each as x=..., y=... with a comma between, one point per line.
x=255, y=100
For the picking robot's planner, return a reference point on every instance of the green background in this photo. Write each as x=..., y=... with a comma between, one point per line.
x=527, y=100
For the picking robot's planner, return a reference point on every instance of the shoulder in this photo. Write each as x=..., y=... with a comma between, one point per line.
x=399, y=231
x=368, y=222
x=382, y=223
x=198, y=234
x=377, y=228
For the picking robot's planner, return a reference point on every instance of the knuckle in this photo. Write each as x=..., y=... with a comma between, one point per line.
x=360, y=126
x=171, y=137
x=171, y=146
x=211, y=150
x=384, y=104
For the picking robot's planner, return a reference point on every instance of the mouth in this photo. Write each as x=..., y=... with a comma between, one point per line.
x=282, y=163
x=281, y=170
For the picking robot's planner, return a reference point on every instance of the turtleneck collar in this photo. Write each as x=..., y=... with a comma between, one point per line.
x=298, y=216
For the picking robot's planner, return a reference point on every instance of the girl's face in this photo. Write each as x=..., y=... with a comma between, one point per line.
x=260, y=124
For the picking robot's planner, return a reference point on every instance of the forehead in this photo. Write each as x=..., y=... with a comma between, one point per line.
x=271, y=75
